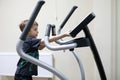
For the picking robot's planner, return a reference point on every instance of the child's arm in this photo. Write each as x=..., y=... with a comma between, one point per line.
x=52, y=39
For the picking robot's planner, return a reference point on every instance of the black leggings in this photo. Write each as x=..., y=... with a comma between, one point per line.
x=21, y=77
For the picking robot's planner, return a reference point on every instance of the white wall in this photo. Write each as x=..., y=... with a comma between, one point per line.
x=118, y=40
x=13, y=11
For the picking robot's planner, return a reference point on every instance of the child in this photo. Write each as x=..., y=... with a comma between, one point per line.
x=31, y=45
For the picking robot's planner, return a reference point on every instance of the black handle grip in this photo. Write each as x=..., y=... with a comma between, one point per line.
x=48, y=28
x=81, y=42
x=53, y=30
x=31, y=20
x=67, y=17
x=84, y=23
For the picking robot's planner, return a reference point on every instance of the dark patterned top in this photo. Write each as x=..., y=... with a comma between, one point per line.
x=30, y=47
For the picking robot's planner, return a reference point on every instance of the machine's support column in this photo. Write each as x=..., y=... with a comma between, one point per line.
x=95, y=53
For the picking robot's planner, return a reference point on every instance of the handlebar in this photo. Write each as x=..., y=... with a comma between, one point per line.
x=32, y=19
x=83, y=24
x=76, y=30
x=67, y=17
x=79, y=42
x=61, y=47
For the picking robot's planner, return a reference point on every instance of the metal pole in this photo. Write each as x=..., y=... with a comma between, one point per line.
x=95, y=54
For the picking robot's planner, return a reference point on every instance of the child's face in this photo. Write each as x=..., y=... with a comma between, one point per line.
x=33, y=31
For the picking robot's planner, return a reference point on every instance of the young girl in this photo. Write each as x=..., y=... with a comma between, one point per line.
x=31, y=45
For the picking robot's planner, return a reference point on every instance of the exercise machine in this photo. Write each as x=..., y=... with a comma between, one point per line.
x=69, y=45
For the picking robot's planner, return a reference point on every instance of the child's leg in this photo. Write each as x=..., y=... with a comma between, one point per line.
x=21, y=77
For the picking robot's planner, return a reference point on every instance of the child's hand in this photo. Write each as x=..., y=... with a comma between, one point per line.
x=68, y=33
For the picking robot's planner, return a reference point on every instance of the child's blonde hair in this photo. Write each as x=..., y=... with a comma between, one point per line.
x=24, y=22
